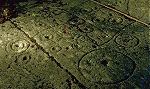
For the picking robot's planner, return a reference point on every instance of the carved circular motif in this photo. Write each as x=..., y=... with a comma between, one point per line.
x=86, y=28
x=46, y=35
x=127, y=40
x=75, y=21
x=101, y=36
x=108, y=67
x=23, y=59
x=17, y=46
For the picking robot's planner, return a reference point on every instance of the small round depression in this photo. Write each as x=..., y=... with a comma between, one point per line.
x=47, y=37
x=104, y=62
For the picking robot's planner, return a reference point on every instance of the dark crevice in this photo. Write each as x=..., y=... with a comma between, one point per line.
x=69, y=83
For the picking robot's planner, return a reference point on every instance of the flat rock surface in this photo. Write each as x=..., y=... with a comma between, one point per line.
x=76, y=44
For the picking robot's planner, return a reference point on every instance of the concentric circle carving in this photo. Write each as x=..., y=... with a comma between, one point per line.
x=17, y=46
x=108, y=67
